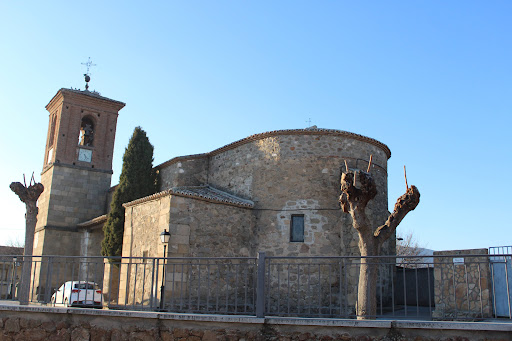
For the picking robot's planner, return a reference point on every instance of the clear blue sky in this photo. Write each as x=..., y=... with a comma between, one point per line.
x=431, y=79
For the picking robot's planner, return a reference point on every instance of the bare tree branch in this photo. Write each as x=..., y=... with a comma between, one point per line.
x=406, y=203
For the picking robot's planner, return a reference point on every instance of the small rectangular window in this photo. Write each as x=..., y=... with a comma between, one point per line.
x=297, y=228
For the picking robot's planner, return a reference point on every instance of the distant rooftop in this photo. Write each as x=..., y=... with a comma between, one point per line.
x=9, y=251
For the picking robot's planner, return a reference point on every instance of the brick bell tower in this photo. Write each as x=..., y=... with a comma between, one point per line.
x=77, y=167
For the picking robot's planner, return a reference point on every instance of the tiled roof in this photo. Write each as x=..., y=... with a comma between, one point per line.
x=94, y=221
x=307, y=131
x=210, y=193
x=204, y=193
x=96, y=95
x=91, y=94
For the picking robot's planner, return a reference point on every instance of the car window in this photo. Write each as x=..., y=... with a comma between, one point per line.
x=87, y=286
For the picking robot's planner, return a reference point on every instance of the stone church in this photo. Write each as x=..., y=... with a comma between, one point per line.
x=275, y=191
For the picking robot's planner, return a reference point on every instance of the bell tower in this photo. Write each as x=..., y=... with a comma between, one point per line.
x=77, y=167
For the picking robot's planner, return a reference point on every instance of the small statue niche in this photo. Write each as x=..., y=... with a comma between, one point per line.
x=86, y=132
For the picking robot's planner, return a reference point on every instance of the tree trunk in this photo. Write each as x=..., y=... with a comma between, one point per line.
x=358, y=188
x=30, y=226
x=29, y=196
x=367, y=290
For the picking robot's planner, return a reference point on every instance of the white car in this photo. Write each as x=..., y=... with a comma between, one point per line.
x=78, y=294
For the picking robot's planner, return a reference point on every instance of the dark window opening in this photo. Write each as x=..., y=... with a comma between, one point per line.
x=86, y=132
x=297, y=228
x=51, y=137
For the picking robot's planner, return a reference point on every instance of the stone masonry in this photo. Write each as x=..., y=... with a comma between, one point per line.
x=290, y=172
x=282, y=173
x=462, y=284
x=235, y=201
x=75, y=188
x=42, y=323
x=207, y=230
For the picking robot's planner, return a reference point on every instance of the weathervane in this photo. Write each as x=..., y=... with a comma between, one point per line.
x=309, y=122
x=87, y=75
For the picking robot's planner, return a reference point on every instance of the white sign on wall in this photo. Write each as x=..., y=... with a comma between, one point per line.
x=458, y=260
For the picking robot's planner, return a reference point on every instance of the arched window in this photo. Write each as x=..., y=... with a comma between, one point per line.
x=51, y=137
x=86, y=132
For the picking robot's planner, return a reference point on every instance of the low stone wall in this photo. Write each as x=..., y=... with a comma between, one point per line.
x=44, y=323
x=462, y=284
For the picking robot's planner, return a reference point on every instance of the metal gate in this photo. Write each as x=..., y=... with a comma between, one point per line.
x=501, y=271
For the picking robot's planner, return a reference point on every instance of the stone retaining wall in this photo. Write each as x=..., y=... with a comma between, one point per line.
x=40, y=323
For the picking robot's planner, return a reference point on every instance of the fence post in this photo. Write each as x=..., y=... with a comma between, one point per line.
x=153, y=289
x=260, y=286
x=48, y=286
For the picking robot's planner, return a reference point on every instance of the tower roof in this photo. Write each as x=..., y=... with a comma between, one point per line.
x=63, y=92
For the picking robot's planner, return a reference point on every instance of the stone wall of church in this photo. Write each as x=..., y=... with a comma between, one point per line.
x=143, y=224
x=184, y=172
x=299, y=174
x=59, y=242
x=91, y=240
x=287, y=173
x=43, y=201
x=198, y=229
x=214, y=230
x=74, y=196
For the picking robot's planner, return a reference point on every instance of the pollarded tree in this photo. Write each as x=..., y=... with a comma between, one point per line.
x=138, y=179
x=29, y=196
x=358, y=188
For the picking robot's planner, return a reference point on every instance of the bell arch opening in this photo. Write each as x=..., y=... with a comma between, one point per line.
x=86, y=137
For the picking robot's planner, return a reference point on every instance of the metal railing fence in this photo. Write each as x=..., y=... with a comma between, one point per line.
x=327, y=287
x=462, y=287
x=210, y=285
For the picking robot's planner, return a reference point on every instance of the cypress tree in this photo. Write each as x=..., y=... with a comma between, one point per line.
x=138, y=179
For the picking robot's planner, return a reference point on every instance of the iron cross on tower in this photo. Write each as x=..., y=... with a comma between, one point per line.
x=87, y=75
